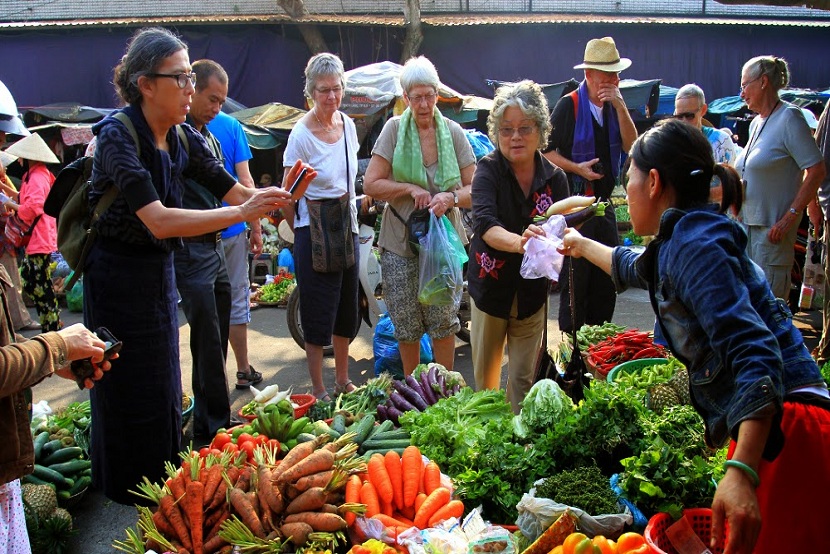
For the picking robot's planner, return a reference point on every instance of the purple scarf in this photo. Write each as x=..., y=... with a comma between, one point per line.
x=583, y=146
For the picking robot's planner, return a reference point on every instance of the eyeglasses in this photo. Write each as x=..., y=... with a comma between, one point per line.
x=428, y=98
x=326, y=91
x=743, y=86
x=182, y=79
x=685, y=115
x=507, y=132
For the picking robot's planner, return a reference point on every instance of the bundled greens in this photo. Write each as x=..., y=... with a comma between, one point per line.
x=544, y=404
x=585, y=488
x=364, y=399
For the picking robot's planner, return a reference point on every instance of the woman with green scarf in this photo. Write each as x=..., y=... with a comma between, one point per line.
x=421, y=160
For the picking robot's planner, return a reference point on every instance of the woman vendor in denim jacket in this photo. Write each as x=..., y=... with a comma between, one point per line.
x=751, y=376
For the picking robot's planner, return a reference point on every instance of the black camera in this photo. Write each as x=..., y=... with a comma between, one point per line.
x=598, y=168
x=84, y=369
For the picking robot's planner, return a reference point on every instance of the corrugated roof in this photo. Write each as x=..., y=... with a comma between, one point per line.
x=398, y=21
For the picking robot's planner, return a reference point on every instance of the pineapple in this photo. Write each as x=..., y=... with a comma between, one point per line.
x=52, y=537
x=661, y=397
x=680, y=384
x=40, y=499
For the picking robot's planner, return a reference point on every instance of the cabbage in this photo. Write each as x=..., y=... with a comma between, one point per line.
x=543, y=405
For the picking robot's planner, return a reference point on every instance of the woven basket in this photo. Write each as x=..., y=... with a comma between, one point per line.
x=699, y=518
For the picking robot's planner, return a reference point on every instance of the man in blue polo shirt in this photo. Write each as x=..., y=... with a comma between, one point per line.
x=230, y=134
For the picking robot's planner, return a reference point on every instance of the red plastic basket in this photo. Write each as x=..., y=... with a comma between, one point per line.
x=699, y=518
x=303, y=402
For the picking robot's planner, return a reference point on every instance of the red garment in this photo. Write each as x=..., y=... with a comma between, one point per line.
x=795, y=488
x=35, y=186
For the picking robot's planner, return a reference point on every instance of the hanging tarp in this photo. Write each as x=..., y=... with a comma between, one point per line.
x=268, y=126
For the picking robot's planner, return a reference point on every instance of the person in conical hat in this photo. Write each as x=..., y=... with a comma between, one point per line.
x=36, y=274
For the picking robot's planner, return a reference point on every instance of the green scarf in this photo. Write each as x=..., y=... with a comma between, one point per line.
x=407, y=161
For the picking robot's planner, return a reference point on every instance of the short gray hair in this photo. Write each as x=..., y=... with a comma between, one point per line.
x=323, y=65
x=776, y=70
x=530, y=99
x=419, y=72
x=691, y=91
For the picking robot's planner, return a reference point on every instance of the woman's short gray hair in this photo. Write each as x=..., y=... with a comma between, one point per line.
x=529, y=98
x=323, y=65
x=419, y=72
x=146, y=51
x=776, y=70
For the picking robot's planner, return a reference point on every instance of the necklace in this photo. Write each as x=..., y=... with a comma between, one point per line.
x=754, y=139
x=332, y=130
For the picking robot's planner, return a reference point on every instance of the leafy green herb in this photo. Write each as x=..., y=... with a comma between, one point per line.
x=543, y=405
x=825, y=372
x=584, y=487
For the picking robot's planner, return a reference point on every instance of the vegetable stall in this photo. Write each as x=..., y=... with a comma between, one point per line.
x=427, y=464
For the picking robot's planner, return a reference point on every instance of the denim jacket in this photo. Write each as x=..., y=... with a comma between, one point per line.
x=715, y=308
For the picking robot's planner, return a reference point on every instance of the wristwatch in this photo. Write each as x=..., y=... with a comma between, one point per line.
x=454, y=198
x=794, y=211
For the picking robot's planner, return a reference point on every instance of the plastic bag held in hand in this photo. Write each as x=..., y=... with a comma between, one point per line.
x=441, y=259
x=541, y=258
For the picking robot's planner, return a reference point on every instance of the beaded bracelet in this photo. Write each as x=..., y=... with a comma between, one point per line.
x=751, y=473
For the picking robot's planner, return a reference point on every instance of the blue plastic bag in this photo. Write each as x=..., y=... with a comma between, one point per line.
x=385, y=349
x=481, y=143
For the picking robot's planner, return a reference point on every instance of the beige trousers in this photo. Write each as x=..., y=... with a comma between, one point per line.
x=488, y=336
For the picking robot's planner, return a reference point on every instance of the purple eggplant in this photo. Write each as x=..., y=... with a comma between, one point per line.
x=432, y=379
x=400, y=402
x=456, y=388
x=393, y=414
x=429, y=394
x=382, y=412
x=413, y=384
x=442, y=385
x=577, y=218
x=411, y=395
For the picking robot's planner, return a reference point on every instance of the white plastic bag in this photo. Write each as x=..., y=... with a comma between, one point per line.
x=542, y=257
x=40, y=410
x=537, y=514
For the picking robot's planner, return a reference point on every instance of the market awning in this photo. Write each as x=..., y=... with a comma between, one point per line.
x=268, y=126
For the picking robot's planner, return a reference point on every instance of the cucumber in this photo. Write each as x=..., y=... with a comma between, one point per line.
x=394, y=434
x=51, y=446
x=71, y=468
x=363, y=428
x=368, y=454
x=385, y=425
x=305, y=437
x=48, y=474
x=80, y=484
x=63, y=455
x=63, y=495
x=35, y=480
x=338, y=423
x=385, y=445
x=39, y=441
x=333, y=434
x=297, y=427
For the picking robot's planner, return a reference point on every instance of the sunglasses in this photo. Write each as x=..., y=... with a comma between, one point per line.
x=688, y=116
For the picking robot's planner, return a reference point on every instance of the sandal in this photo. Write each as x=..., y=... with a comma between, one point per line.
x=323, y=396
x=247, y=378
x=348, y=386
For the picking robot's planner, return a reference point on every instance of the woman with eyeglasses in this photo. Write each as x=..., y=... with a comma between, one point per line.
x=326, y=138
x=421, y=160
x=751, y=376
x=511, y=185
x=129, y=284
x=781, y=168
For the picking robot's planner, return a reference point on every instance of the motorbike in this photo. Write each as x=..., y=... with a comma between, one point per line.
x=370, y=292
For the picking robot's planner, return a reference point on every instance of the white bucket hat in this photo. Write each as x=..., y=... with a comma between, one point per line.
x=602, y=54
x=33, y=148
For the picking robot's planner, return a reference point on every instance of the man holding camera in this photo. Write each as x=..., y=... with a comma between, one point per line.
x=592, y=132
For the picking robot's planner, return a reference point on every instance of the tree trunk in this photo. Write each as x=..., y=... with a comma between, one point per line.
x=414, y=35
x=311, y=34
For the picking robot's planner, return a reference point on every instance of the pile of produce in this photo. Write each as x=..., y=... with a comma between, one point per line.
x=428, y=384
x=265, y=397
x=622, y=347
x=584, y=487
x=369, y=437
x=49, y=526
x=275, y=292
x=215, y=503
x=364, y=399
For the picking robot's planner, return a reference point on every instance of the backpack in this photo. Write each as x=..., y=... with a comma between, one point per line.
x=68, y=203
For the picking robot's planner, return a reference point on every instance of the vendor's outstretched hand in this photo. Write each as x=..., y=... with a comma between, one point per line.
x=735, y=504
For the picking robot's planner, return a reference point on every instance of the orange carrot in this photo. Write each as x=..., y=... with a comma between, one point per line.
x=298, y=532
x=403, y=519
x=432, y=477
x=411, y=468
x=317, y=480
x=309, y=501
x=265, y=513
x=408, y=512
x=214, y=528
x=353, y=486
x=242, y=505
x=163, y=525
x=438, y=499
x=419, y=500
x=388, y=521
x=392, y=461
x=299, y=452
x=174, y=516
x=214, y=477
x=380, y=478
x=267, y=491
x=453, y=508
x=317, y=461
x=195, y=499
x=369, y=496
x=386, y=508
x=211, y=517
x=319, y=521
x=215, y=543
x=243, y=482
x=177, y=486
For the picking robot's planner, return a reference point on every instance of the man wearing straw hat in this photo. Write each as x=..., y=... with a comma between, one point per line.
x=34, y=154
x=592, y=132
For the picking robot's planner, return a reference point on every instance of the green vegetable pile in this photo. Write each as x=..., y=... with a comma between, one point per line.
x=364, y=399
x=588, y=335
x=649, y=375
x=278, y=291
x=585, y=488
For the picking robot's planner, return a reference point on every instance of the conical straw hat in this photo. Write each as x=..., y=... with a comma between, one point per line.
x=33, y=148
